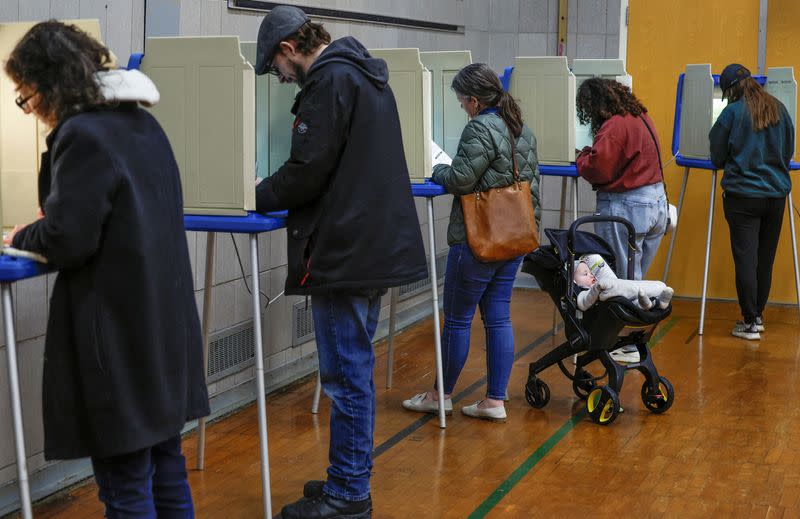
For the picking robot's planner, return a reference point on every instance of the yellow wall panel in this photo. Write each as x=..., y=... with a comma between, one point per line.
x=663, y=37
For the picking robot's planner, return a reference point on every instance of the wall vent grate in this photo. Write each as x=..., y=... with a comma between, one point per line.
x=230, y=350
x=417, y=287
x=302, y=323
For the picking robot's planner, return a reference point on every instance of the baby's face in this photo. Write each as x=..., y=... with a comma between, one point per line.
x=583, y=276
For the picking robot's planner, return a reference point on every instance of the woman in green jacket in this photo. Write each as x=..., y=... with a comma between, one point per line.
x=483, y=161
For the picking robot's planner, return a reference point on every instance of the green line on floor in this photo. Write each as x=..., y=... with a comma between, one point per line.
x=526, y=466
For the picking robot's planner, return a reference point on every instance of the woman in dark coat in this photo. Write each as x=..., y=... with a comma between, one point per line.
x=123, y=368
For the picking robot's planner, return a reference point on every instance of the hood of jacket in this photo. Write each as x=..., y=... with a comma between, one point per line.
x=349, y=50
x=127, y=86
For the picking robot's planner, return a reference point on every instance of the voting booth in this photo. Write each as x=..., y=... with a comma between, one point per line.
x=448, y=118
x=545, y=89
x=411, y=83
x=698, y=104
x=273, y=120
x=584, y=69
x=22, y=136
x=208, y=111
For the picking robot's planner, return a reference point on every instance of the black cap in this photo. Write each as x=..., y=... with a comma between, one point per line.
x=279, y=24
x=732, y=74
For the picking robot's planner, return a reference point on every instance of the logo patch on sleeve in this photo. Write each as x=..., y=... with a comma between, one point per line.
x=300, y=126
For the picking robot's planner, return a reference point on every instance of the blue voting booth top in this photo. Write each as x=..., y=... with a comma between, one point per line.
x=430, y=189
x=14, y=269
x=253, y=223
x=693, y=163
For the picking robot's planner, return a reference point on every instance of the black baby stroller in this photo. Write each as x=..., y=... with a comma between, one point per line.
x=593, y=334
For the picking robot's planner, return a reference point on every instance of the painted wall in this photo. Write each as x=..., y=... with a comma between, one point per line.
x=662, y=38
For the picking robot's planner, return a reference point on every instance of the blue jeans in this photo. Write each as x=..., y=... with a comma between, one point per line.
x=646, y=208
x=344, y=326
x=469, y=283
x=147, y=484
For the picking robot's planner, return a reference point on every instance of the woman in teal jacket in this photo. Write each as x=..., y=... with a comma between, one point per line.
x=753, y=140
x=483, y=161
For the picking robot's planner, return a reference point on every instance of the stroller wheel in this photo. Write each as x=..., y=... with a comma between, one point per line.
x=603, y=405
x=583, y=384
x=662, y=400
x=537, y=393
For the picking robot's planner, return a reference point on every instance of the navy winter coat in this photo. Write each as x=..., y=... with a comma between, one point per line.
x=123, y=367
x=352, y=223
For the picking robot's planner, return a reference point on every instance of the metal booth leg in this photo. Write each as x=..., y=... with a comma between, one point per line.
x=437, y=336
x=794, y=248
x=208, y=289
x=261, y=397
x=16, y=403
x=392, y=326
x=561, y=224
x=675, y=231
x=708, y=250
x=317, y=393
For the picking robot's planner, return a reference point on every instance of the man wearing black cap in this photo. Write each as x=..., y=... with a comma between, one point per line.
x=352, y=231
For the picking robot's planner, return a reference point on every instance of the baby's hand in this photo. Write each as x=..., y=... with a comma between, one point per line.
x=604, y=285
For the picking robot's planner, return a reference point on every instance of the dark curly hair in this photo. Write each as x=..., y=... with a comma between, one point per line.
x=600, y=99
x=59, y=61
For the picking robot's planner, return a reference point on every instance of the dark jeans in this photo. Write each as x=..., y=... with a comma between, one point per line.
x=344, y=326
x=755, y=225
x=469, y=283
x=147, y=484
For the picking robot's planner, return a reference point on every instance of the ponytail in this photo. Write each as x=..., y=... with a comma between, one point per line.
x=511, y=113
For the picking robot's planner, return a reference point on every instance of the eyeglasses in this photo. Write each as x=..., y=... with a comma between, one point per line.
x=22, y=102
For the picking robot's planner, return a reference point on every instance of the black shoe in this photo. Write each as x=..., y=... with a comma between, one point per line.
x=327, y=507
x=313, y=488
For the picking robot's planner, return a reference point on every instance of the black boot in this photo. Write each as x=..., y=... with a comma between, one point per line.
x=313, y=488
x=326, y=507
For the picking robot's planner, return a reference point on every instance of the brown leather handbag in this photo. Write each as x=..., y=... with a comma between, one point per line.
x=500, y=223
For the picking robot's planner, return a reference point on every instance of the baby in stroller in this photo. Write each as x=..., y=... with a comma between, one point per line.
x=596, y=280
x=595, y=328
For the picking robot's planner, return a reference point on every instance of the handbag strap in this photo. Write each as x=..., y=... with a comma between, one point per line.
x=514, y=154
x=655, y=141
x=513, y=142
x=660, y=166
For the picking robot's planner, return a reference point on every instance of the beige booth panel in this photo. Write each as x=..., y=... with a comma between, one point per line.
x=22, y=137
x=545, y=89
x=447, y=116
x=207, y=110
x=697, y=111
x=411, y=84
x=273, y=118
x=584, y=69
x=781, y=84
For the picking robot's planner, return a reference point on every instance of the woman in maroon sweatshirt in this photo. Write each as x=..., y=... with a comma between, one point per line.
x=623, y=165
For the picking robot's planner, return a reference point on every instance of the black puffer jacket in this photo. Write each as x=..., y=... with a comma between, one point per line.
x=352, y=223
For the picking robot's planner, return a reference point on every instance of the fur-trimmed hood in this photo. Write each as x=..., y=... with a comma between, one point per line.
x=127, y=86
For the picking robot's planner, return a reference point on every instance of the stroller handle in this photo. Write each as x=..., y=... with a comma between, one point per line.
x=602, y=218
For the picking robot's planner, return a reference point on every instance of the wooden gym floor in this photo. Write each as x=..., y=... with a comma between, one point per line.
x=727, y=448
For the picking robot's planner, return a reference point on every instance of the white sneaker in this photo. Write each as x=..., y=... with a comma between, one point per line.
x=760, y=324
x=626, y=357
x=420, y=405
x=493, y=414
x=745, y=330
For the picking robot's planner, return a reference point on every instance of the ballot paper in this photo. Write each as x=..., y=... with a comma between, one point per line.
x=11, y=251
x=438, y=155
